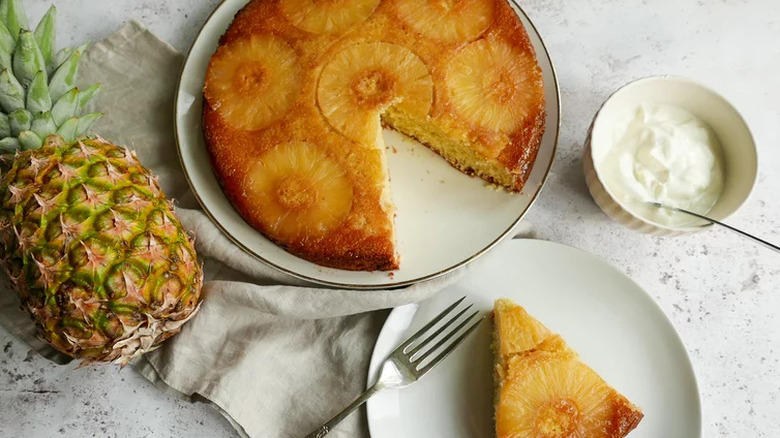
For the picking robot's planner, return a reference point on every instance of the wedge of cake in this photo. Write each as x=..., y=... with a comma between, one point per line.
x=298, y=90
x=544, y=391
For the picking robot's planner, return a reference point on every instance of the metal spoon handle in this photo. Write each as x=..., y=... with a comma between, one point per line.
x=736, y=230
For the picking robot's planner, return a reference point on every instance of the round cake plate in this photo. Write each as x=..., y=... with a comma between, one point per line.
x=444, y=218
x=612, y=323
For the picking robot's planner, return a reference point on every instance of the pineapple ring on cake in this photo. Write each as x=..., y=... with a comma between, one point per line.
x=253, y=81
x=557, y=397
x=451, y=21
x=363, y=80
x=303, y=192
x=493, y=85
x=326, y=16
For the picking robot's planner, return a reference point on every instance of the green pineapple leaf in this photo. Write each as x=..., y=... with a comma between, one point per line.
x=85, y=122
x=20, y=120
x=12, y=14
x=65, y=108
x=30, y=140
x=38, y=93
x=11, y=92
x=64, y=77
x=85, y=96
x=4, y=13
x=43, y=124
x=63, y=56
x=38, y=98
x=45, y=36
x=7, y=45
x=68, y=129
x=5, y=126
x=9, y=145
x=27, y=60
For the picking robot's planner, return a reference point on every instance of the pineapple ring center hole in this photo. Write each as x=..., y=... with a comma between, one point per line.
x=501, y=87
x=374, y=88
x=251, y=77
x=296, y=192
x=558, y=419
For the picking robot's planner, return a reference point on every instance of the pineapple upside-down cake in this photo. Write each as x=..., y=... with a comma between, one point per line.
x=298, y=90
x=543, y=390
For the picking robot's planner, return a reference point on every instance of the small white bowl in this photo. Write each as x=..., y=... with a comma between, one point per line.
x=739, y=149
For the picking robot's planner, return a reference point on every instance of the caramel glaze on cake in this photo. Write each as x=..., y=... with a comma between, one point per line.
x=301, y=86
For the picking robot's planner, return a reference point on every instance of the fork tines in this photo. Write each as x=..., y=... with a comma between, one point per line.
x=416, y=353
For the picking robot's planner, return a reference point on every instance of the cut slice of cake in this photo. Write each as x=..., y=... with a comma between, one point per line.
x=543, y=390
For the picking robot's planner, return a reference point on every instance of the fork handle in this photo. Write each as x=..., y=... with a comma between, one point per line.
x=333, y=422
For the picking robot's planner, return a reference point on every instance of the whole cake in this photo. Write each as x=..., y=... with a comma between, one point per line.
x=543, y=390
x=298, y=90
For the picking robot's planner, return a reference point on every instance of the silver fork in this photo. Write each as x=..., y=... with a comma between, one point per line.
x=407, y=365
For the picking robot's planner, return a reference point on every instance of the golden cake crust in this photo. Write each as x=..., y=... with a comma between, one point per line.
x=364, y=238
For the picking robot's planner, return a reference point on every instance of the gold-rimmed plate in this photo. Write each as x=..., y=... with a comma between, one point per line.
x=444, y=219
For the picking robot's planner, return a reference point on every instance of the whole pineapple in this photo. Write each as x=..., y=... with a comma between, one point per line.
x=92, y=246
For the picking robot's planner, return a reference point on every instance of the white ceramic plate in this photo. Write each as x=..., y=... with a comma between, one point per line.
x=436, y=203
x=614, y=325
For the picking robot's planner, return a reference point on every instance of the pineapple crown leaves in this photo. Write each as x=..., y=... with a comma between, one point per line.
x=38, y=93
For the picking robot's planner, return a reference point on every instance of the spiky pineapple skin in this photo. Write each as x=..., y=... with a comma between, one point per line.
x=95, y=250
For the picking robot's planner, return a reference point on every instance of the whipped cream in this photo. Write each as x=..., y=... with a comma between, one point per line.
x=664, y=154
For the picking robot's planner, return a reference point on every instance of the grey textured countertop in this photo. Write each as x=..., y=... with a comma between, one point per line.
x=720, y=292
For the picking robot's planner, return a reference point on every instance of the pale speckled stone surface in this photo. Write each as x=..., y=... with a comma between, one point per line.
x=719, y=291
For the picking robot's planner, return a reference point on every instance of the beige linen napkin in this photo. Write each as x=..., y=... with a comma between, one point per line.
x=278, y=357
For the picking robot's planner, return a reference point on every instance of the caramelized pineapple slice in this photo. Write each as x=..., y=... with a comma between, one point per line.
x=549, y=393
x=450, y=21
x=516, y=330
x=302, y=190
x=493, y=85
x=543, y=390
x=252, y=82
x=326, y=16
x=363, y=80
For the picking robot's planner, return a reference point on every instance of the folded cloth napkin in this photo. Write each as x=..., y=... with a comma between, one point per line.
x=275, y=355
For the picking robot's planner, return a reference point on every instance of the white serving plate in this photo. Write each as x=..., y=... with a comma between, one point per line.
x=603, y=315
x=445, y=219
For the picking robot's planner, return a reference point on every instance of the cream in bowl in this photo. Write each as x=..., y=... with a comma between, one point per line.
x=668, y=140
x=662, y=153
